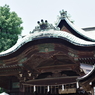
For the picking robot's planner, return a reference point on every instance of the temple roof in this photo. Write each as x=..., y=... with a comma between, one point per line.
x=64, y=20
x=48, y=34
x=77, y=37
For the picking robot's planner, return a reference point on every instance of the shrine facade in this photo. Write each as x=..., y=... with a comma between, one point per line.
x=50, y=60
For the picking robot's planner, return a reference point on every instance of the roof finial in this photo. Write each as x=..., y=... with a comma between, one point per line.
x=63, y=13
x=44, y=26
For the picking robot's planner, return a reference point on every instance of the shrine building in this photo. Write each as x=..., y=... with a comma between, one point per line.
x=51, y=60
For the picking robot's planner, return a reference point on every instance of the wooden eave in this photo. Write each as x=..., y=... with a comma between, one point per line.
x=64, y=56
x=51, y=81
x=34, y=59
x=36, y=62
x=63, y=23
x=51, y=40
x=87, y=79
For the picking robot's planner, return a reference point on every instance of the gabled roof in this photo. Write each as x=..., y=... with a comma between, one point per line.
x=64, y=21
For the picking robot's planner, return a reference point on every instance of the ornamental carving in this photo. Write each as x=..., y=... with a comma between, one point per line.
x=44, y=26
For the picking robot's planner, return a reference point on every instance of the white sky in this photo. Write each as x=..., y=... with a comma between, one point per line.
x=31, y=11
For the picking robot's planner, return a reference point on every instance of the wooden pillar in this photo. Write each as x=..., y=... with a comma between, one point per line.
x=10, y=85
x=21, y=89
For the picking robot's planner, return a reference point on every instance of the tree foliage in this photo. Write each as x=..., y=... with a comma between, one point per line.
x=10, y=28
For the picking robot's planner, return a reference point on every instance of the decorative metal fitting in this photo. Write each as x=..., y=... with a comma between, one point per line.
x=44, y=26
x=63, y=13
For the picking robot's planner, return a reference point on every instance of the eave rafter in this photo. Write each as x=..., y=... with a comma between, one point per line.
x=10, y=71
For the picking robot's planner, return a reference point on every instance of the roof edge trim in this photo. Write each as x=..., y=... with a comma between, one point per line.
x=48, y=34
x=80, y=31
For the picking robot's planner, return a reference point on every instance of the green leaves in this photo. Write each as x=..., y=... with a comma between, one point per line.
x=10, y=28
